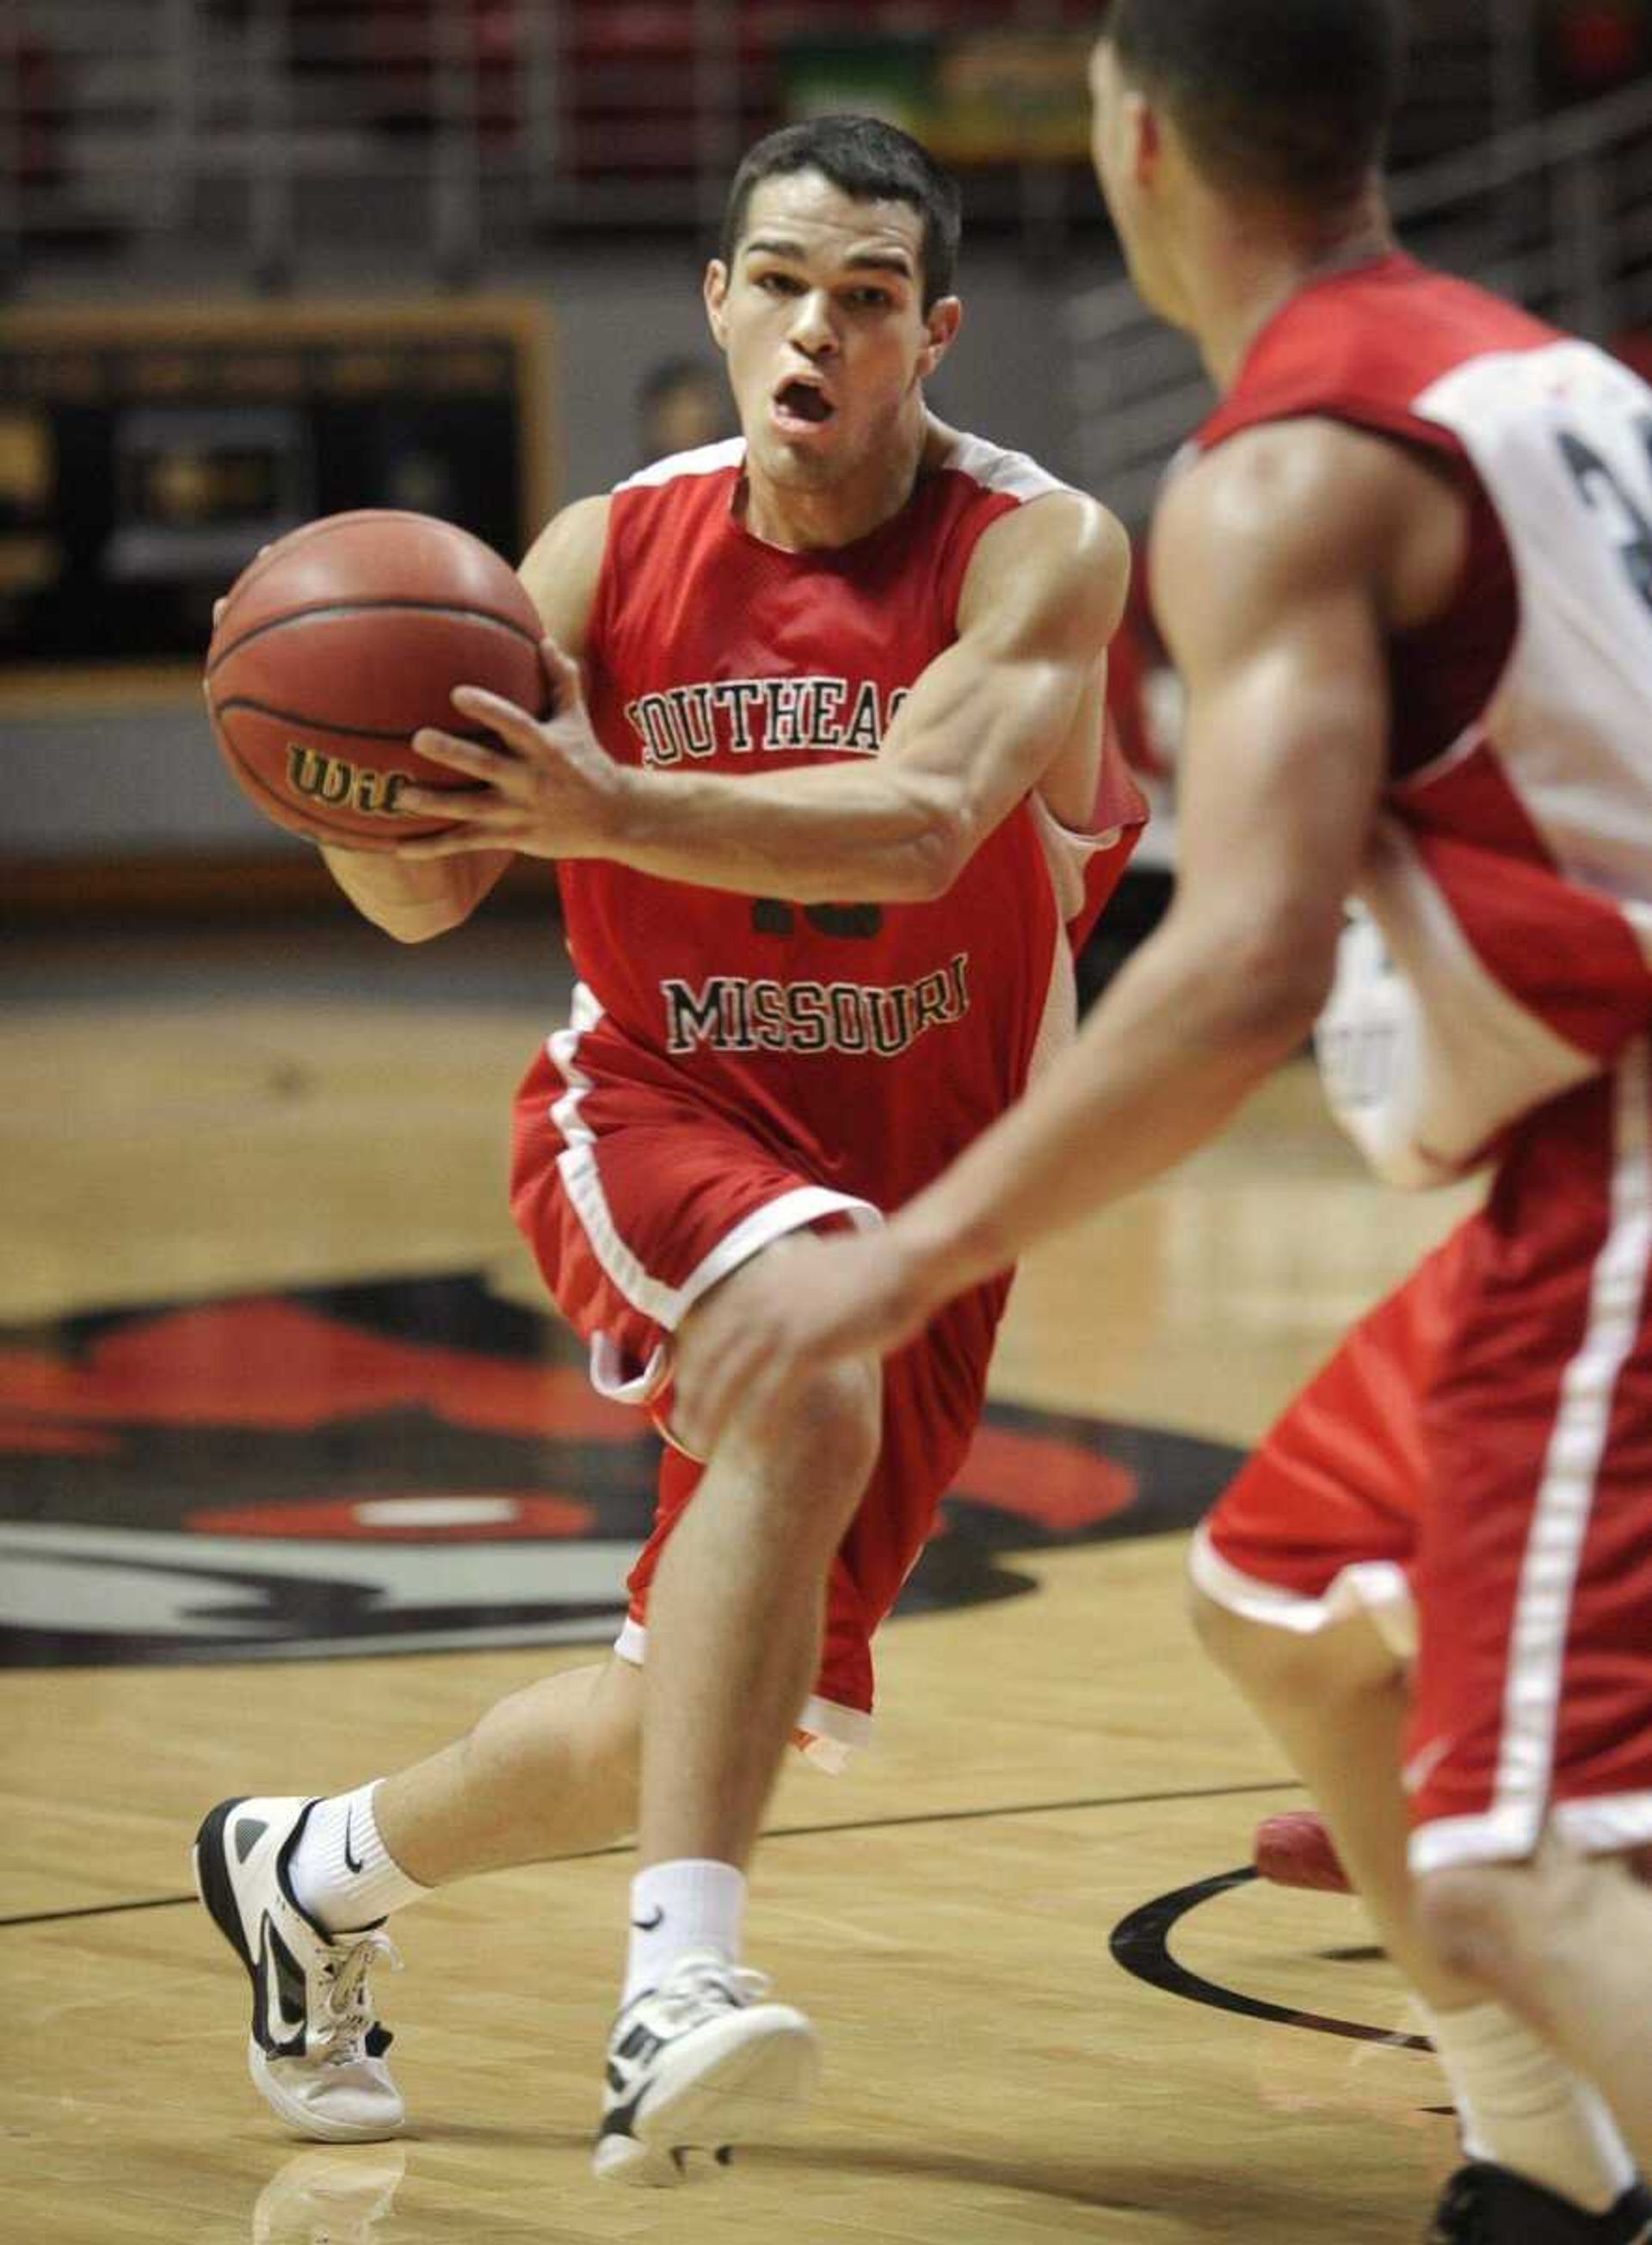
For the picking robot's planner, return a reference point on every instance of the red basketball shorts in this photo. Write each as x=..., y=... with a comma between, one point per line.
x=636, y=1200
x=1478, y=1455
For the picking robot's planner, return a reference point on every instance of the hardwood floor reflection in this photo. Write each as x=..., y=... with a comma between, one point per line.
x=285, y=1120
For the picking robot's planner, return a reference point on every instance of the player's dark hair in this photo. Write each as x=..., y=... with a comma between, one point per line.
x=873, y=162
x=1286, y=98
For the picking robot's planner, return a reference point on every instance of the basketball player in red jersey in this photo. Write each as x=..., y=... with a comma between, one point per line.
x=1406, y=572
x=828, y=786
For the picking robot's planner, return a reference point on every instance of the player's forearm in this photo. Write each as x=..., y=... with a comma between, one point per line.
x=415, y=901
x=1185, y=1034
x=835, y=835
x=897, y=830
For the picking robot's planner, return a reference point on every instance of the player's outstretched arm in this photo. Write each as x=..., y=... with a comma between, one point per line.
x=983, y=724
x=1268, y=560
x=413, y=901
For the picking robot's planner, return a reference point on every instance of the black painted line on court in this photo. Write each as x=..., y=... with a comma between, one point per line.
x=1141, y=1943
x=1036, y=1809
x=779, y=1832
x=96, y=1909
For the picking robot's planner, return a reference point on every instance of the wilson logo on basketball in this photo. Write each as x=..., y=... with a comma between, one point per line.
x=333, y=780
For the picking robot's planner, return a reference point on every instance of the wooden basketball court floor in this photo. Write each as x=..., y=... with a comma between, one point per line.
x=1047, y=2011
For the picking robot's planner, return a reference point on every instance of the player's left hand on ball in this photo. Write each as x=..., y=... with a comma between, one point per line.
x=749, y=1344
x=548, y=789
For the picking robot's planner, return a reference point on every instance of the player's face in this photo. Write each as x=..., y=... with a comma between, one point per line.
x=821, y=317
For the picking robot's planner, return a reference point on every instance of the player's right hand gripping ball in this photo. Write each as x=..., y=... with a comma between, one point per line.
x=338, y=643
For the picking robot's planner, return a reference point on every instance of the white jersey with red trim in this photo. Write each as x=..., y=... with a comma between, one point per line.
x=863, y=1044
x=1508, y=886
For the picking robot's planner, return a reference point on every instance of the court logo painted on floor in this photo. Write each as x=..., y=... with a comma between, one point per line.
x=420, y=1466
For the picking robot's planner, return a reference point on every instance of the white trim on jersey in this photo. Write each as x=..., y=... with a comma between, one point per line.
x=1567, y=719
x=1377, y=1588
x=703, y=460
x=1424, y=1055
x=560, y=1048
x=996, y=470
x=1067, y=853
x=990, y=465
x=1560, y=1514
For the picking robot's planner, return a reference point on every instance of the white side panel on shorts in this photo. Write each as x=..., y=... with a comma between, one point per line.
x=666, y=1305
x=1378, y=1589
x=1560, y=1516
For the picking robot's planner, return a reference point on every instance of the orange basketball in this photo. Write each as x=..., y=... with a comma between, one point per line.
x=338, y=643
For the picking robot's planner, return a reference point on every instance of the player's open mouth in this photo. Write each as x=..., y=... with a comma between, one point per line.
x=801, y=405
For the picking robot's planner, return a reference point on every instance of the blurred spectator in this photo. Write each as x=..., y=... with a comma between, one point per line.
x=1590, y=46
x=34, y=78
x=682, y=402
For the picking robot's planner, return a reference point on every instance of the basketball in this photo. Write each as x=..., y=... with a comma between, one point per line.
x=338, y=643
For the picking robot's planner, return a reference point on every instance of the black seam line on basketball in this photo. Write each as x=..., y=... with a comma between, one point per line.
x=313, y=725
x=1140, y=1944
x=787, y=1832
x=327, y=608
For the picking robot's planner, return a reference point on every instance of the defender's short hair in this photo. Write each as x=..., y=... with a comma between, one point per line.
x=1286, y=98
x=873, y=162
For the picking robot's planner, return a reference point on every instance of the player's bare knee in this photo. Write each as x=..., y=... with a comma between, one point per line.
x=830, y=1425
x=1492, y=1923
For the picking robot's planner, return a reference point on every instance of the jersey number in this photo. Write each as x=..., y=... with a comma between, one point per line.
x=772, y=916
x=1604, y=494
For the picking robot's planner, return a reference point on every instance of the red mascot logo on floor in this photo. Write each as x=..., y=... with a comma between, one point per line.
x=416, y=1466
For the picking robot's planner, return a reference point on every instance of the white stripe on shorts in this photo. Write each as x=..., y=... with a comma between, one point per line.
x=1378, y=1589
x=1560, y=1516
x=577, y=1163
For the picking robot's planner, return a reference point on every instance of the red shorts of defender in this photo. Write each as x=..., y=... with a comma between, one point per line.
x=1482, y=1441
x=635, y=1203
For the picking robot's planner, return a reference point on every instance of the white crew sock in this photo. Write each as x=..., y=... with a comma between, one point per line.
x=341, y=1871
x=677, y=1907
x=1523, y=2108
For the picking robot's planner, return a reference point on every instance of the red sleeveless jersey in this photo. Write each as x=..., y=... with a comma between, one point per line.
x=865, y=1044
x=1511, y=873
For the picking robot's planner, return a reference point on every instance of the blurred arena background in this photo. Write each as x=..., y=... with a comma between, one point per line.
x=277, y=1382
x=267, y=259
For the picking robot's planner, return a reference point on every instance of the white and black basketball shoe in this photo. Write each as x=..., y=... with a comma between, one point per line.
x=317, y=2052
x=696, y=2066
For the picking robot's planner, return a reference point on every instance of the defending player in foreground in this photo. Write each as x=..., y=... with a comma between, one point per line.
x=1407, y=576
x=828, y=787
